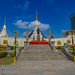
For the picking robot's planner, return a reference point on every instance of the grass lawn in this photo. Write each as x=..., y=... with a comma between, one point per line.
x=6, y=61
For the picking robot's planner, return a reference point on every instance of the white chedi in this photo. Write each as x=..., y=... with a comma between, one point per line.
x=3, y=32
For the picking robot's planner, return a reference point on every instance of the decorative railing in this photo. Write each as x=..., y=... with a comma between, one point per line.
x=68, y=55
x=18, y=52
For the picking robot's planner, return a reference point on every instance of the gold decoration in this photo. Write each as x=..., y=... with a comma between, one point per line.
x=4, y=28
x=16, y=42
x=73, y=45
x=36, y=16
x=5, y=21
x=27, y=32
x=49, y=32
x=39, y=32
x=33, y=38
x=49, y=37
x=42, y=38
x=68, y=41
x=15, y=35
x=27, y=38
x=5, y=41
x=3, y=46
x=72, y=33
x=36, y=25
x=58, y=42
x=16, y=32
x=72, y=36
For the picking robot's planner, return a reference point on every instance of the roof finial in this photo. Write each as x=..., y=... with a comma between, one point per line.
x=5, y=21
x=36, y=15
x=49, y=32
x=27, y=32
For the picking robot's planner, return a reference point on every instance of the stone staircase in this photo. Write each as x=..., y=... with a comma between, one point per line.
x=41, y=52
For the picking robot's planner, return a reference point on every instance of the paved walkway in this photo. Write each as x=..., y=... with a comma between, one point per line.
x=34, y=63
x=40, y=67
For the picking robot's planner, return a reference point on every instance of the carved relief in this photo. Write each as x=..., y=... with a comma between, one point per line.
x=5, y=41
x=58, y=42
x=68, y=41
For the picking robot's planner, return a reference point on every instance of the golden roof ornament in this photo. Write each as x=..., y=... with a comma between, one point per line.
x=49, y=32
x=5, y=21
x=36, y=20
x=39, y=32
x=27, y=32
x=36, y=16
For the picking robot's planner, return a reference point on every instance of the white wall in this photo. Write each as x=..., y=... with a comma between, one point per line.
x=21, y=40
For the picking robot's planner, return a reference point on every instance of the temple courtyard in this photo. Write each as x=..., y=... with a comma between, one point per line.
x=40, y=60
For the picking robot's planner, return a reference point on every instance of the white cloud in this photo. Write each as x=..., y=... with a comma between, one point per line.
x=25, y=33
x=41, y=25
x=9, y=33
x=63, y=30
x=31, y=25
x=21, y=24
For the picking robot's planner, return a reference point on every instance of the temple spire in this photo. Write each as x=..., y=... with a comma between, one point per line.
x=5, y=21
x=36, y=20
x=4, y=32
x=27, y=32
x=36, y=16
x=49, y=32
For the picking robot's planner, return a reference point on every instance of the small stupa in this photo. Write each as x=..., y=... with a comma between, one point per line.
x=3, y=32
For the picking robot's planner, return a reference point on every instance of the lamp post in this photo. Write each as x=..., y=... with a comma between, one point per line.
x=27, y=32
x=49, y=32
x=15, y=45
x=72, y=33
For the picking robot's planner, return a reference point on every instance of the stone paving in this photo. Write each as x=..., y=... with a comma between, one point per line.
x=39, y=67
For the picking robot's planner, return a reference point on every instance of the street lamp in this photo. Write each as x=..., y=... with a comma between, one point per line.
x=27, y=32
x=15, y=44
x=72, y=33
x=49, y=32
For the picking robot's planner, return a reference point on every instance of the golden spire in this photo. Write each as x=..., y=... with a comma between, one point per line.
x=5, y=21
x=49, y=32
x=36, y=16
x=39, y=32
x=27, y=32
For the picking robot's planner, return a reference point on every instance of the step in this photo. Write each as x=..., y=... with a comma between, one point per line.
x=41, y=52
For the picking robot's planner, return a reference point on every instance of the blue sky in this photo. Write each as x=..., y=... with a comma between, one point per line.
x=22, y=13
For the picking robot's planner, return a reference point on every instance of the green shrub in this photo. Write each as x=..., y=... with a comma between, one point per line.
x=70, y=52
x=59, y=47
x=71, y=48
x=2, y=49
x=12, y=48
x=3, y=54
x=7, y=49
x=12, y=54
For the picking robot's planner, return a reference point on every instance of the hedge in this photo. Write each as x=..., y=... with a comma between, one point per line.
x=70, y=52
x=12, y=48
x=3, y=54
x=12, y=54
x=59, y=47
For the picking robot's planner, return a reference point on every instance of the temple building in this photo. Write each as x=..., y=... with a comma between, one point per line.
x=36, y=34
